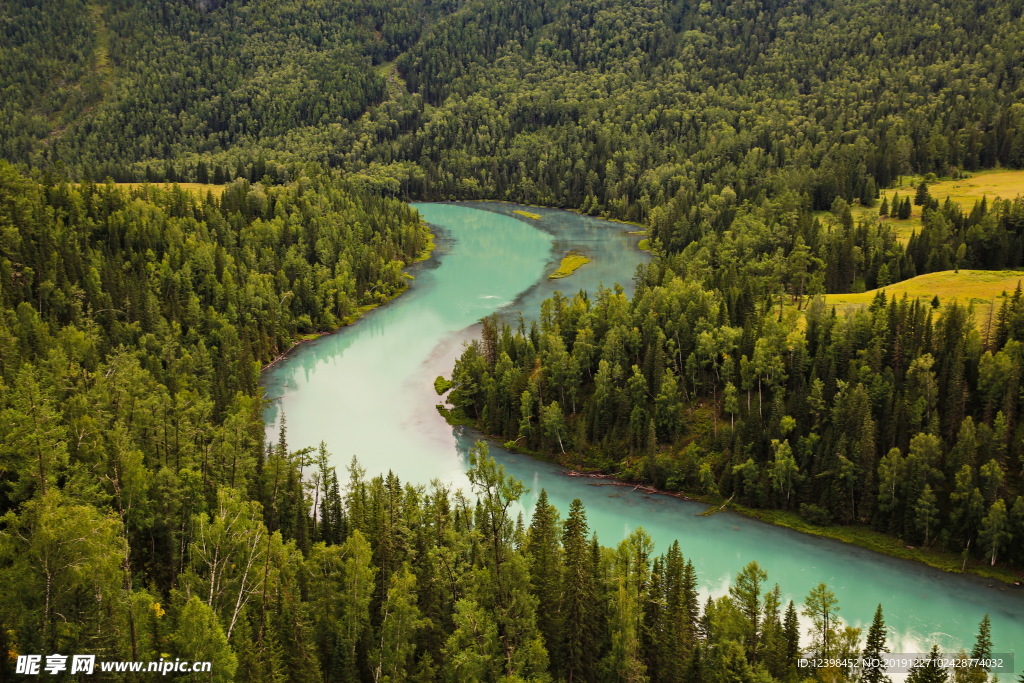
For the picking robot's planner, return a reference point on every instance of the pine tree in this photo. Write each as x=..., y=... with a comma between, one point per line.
x=579, y=646
x=905, y=209
x=870, y=193
x=874, y=648
x=791, y=630
x=543, y=549
x=922, y=195
x=928, y=670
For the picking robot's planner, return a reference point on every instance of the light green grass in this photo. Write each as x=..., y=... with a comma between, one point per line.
x=964, y=191
x=982, y=288
x=101, y=52
x=196, y=188
x=991, y=184
x=527, y=214
x=570, y=263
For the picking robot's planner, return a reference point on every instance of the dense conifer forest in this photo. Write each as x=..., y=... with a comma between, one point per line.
x=142, y=516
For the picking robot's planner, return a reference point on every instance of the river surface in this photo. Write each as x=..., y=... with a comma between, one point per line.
x=368, y=391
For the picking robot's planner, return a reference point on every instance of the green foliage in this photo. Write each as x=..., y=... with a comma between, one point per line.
x=820, y=607
x=874, y=650
x=603, y=107
x=62, y=575
x=441, y=385
x=200, y=638
x=875, y=419
x=929, y=670
x=134, y=322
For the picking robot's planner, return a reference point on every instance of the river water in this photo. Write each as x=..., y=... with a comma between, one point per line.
x=368, y=391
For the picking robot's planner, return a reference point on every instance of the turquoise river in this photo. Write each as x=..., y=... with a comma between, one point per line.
x=368, y=391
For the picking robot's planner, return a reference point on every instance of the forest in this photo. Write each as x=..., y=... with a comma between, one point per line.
x=891, y=417
x=142, y=516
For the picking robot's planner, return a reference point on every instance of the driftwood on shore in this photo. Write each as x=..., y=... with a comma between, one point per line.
x=609, y=480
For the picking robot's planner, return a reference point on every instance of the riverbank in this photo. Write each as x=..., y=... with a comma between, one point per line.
x=535, y=216
x=878, y=542
x=428, y=251
x=863, y=537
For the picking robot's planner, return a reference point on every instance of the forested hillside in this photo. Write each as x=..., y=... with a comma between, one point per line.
x=605, y=106
x=144, y=517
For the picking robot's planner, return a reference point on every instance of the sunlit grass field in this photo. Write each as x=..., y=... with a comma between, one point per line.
x=964, y=191
x=198, y=188
x=980, y=288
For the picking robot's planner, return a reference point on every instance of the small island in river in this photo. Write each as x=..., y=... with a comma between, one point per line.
x=570, y=262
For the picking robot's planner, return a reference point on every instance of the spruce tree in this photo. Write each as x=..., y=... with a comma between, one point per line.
x=928, y=670
x=983, y=646
x=791, y=629
x=905, y=209
x=870, y=193
x=579, y=594
x=983, y=643
x=922, y=194
x=874, y=648
x=545, y=569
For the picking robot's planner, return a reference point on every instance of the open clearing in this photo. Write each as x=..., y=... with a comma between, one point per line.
x=981, y=288
x=964, y=191
x=197, y=188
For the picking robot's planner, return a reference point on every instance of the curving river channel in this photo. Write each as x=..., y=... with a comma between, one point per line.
x=368, y=391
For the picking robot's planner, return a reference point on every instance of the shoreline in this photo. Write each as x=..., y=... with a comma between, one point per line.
x=361, y=311
x=859, y=536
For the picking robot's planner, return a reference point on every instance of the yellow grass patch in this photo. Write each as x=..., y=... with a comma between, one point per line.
x=982, y=288
x=197, y=188
x=991, y=184
x=570, y=262
x=964, y=191
x=527, y=214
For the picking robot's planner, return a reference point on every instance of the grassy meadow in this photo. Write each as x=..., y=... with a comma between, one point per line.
x=980, y=288
x=198, y=188
x=965, y=191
